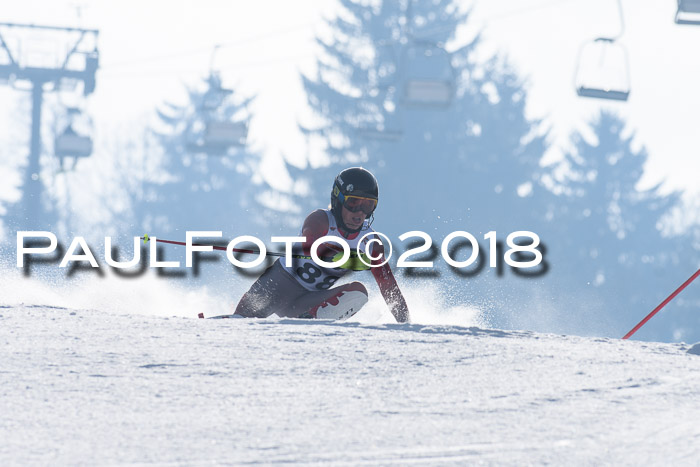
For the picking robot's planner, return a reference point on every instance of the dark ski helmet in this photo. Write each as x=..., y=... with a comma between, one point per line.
x=357, y=190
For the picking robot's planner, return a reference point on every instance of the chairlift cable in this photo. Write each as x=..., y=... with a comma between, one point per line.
x=280, y=32
x=521, y=11
x=233, y=66
x=200, y=50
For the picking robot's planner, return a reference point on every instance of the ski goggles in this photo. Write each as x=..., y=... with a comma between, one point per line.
x=358, y=203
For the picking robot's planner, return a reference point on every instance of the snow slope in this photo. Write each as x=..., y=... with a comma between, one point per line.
x=84, y=387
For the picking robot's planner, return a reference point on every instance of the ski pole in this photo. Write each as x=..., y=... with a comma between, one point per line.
x=662, y=304
x=146, y=238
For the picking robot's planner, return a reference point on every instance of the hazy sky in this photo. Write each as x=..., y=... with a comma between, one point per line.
x=150, y=48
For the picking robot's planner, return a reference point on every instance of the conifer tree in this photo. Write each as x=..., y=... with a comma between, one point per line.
x=206, y=177
x=446, y=135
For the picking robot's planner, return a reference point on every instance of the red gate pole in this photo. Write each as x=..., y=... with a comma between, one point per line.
x=663, y=304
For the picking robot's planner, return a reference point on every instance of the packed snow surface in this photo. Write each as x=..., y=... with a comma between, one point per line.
x=82, y=386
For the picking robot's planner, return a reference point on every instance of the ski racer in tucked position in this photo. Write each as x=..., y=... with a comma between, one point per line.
x=305, y=290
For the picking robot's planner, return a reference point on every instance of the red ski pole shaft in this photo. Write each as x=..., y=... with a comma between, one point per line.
x=216, y=247
x=663, y=304
x=236, y=250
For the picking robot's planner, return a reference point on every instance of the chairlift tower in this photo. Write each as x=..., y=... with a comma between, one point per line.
x=78, y=63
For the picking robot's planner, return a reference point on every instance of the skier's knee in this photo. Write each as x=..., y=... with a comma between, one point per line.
x=252, y=306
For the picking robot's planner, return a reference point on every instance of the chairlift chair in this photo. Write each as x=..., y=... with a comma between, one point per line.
x=222, y=133
x=71, y=144
x=219, y=136
x=688, y=12
x=602, y=70
x=380, y=133
x=428, y=75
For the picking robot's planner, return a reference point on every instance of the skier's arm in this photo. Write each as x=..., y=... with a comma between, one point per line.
x=315, y=226
x=390, y=289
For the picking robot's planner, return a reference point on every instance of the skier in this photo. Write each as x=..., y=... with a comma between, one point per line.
x=304, y=289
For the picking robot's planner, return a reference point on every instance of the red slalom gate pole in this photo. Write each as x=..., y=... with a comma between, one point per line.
x=663, y=304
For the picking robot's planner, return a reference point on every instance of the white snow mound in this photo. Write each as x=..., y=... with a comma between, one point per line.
x=90, y=387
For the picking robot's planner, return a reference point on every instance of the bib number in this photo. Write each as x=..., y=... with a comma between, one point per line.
x=310, y=272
